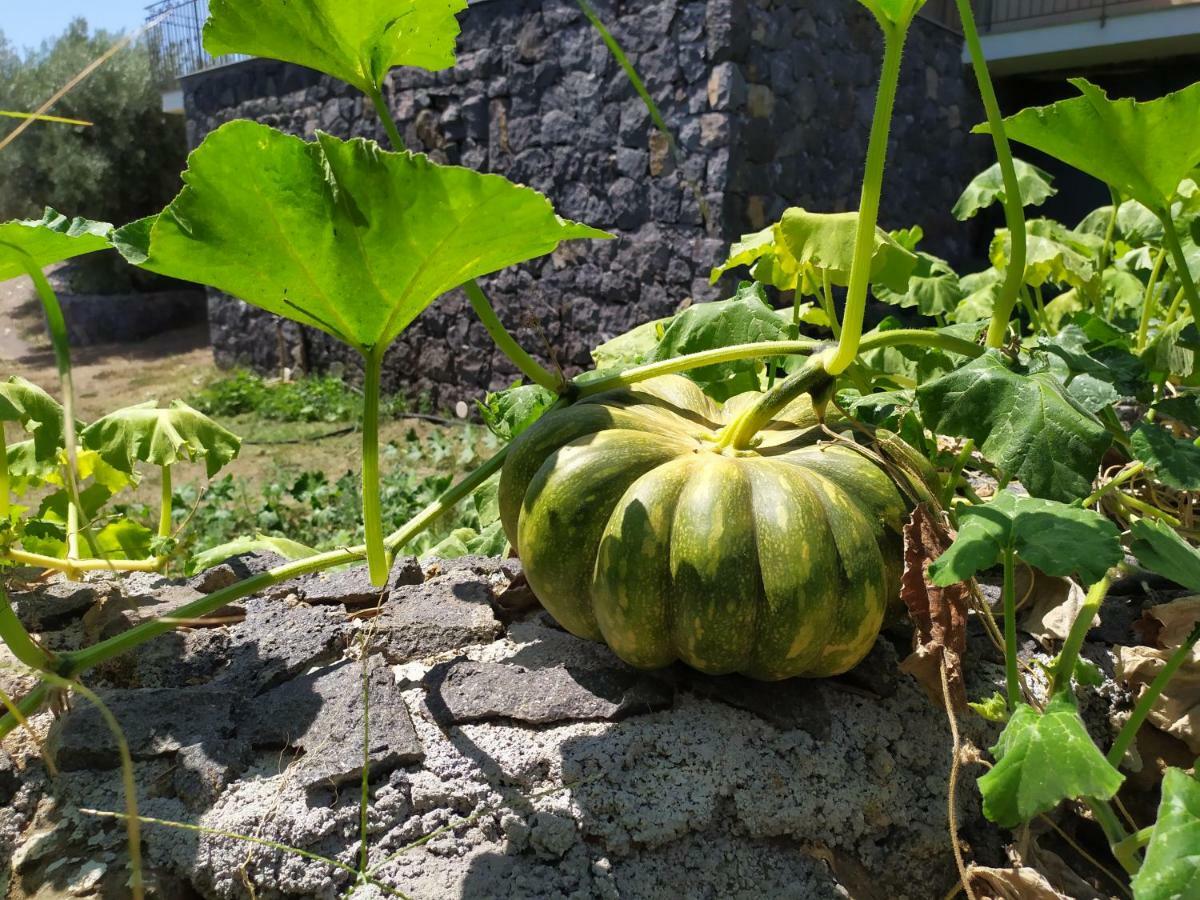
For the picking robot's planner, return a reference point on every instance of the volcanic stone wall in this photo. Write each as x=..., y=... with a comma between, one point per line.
x=771, y=103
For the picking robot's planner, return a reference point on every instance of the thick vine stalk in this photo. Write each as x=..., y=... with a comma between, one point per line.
x=378, y=563
x=1014, y=210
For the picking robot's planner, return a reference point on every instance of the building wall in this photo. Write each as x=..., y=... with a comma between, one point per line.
x=771, y=102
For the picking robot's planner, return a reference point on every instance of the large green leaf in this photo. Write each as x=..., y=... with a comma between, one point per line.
x=1027, y=425
x=987, y=188
x=1144, y=150
x=1172, y=867
x=161, y=437
x=36, y=411
x=258, y=544
x=1054, y=253
x=825, y=241
x=358, y=42
x=509, y=412
x=1043, y=759
x=1174, y=460
x=341, y=235
x=50, y=239
x=1059, y=540
x=745, y=318
x=1161, y=550
x=934, y=288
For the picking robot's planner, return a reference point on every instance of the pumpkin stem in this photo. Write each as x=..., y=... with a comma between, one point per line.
x=813, y=378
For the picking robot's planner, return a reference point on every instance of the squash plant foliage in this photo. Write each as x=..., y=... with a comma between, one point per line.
x=731, y=481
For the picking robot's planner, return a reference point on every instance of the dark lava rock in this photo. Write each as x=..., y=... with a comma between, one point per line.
x=322, y=714
x=155, y=722
x=53, y=605
x=465, y=691
x=445, y=613
x=235, y=569
x=10, y=778
x=203, y=771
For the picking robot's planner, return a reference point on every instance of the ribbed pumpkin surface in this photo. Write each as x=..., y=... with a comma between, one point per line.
x=634, y=530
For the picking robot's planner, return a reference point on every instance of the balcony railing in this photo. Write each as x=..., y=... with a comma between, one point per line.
x=1009, y=15
x=176, y=44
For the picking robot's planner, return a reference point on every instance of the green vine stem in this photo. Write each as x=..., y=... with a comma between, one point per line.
x=5, y=485
x=1148, y=303
x=385, y=116
x=75, y=567
x=1171, y=239
x=164, y=508
x=1012, y=675
x=895, y=338
x=1060, y=678
x=1114, y=833
x=378, y=563
x=57, y=327
x=813, y=378
x=1014, y=211
x=868, y=207
x=526, y=364
x=1176, y=305
x=1130, y=471
x=1129, y=730
x=20, y=643
x=827, y=304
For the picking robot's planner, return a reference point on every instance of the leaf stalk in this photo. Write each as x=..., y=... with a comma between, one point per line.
x=378, y=563
x=526, y=364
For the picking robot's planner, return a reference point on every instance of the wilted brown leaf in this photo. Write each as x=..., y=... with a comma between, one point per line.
x=1053, y=604
x=1017, y=883
x=939, y=613
x=1169, y=624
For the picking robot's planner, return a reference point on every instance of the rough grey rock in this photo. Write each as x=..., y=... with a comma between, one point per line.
x=352, y=587
x=465, y=691
x=155, y=722
x=322, y=714
x=52, y=605
x=235, y=569
x=9, y=778
x=447, y=612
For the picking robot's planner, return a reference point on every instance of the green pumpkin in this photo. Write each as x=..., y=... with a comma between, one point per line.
x=636, y=529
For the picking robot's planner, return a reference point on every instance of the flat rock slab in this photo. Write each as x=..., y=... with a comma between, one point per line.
x=322, y=714
x=465, y=691
x=155, y=722
x=447, y=612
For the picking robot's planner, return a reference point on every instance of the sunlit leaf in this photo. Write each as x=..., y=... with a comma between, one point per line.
x=987, y=188
x=1171, y=870
x=1043, y=759
x=36, y=411
x=630, y=348
x=1027, y=425
x=743, y=319
x=825, y=241
x=507, y=413
x=161, y=437
x=358, y=42
x=1054, y=253
x=47, y=240
x=124, y=539
x=341, y=235
x=259, y=544
x=1143, y=149
x=934, y=289
x=1058, y=539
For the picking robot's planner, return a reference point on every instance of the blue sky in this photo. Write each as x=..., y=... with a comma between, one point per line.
x=26, y=23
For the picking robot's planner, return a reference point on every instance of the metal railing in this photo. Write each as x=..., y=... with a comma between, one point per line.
x=175, y=41
x=1014, y=14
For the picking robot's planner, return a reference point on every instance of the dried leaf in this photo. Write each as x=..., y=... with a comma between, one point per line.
x=1017, y=883
x=1177, y=710
x=1053, y=605
x=939, y=613
x=1169, y=624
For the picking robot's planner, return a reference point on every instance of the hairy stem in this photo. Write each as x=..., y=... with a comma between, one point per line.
x=812, y=377
x=827, y=304
x=1012, y=673
x=19, y=641
x=1149, y=697
x=1014, y=210
x=72, y=531
x=385, y=116
x=868, y=207
x=377, y=555
x=1060, y=679
x=1148, y=302
x=763, y=349
x=526, y=364
x=74, y=567
x=164, y=509
x=1130, y=471
x=1171, y=239
x=5, y=486
x=1176, y=304
x=1114, y=833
